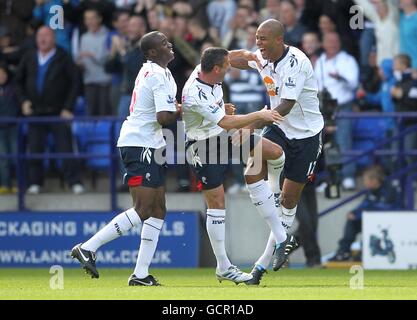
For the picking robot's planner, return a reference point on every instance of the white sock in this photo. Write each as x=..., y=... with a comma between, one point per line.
x=149, y=240
x=287, y=216
x=266, y=257
x=263, y=199
x=114, y=229
x=215, y=225
x=275, y=168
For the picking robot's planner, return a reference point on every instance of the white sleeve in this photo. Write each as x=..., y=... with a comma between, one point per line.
x=164, y=100
x=252, y=64
x=350, y=72
x=294, y=82
x=209, y=112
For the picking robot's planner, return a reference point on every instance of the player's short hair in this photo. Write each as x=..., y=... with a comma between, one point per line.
x=375, y=172
x=212, y=57
x=148, y=42
x=404, y=59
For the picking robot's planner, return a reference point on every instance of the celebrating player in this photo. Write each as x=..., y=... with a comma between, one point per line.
x=207, y=118
x=141, y=139
x=289, y=79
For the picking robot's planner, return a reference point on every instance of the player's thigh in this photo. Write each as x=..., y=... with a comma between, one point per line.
x=275, y=137
x=267, y=150
x=215, y=197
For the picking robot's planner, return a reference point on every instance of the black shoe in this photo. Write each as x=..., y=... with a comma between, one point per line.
x=283, y=251
x=341, y=256
x=257, y=274
x=147, y=281
x=87, y=260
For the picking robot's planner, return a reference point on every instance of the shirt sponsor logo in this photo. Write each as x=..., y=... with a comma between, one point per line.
x=270, y=86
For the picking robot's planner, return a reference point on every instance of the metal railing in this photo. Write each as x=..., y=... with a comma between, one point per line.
x=406, y=182
x=21, y=156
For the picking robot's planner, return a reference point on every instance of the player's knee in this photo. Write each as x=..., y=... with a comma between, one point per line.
x=144, y=211
x=271, y=150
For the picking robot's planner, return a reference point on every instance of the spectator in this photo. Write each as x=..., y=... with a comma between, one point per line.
x=310, y=44
x=271, y=10
x=294, y=30
x=382, y=98
x=15, y=15
x=385, y=16
x=91, y=59
x=308, y=218
x=405, y=97
x=220, y=13
x=75, y=11
x=152, y=16
x=199, y=34
x=236, y=36
x=114, y=38
x=9, y=52
x=326, y=25
x=408, y=30
x=47, y=85
x=42, y=12
x=380, y=196
x=338, y=73
x=8, y=132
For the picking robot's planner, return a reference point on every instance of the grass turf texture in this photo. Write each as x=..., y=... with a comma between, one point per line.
x=180, y=284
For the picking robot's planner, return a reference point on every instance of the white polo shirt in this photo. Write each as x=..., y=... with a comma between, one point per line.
x=292, y=78
x=155, y=90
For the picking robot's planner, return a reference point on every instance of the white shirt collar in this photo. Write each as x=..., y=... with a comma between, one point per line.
x=42, y=59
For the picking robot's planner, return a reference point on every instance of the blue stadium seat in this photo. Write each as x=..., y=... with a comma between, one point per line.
x=367, y=133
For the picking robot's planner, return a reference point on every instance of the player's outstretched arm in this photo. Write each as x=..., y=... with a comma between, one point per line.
x=239, y=59
x=229, y=122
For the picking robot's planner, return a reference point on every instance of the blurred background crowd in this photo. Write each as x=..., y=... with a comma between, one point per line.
x=88, y=65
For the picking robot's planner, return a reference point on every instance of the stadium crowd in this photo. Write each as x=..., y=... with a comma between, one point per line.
x=88, y=64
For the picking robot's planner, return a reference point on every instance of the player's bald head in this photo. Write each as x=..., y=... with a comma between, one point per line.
x=272, y=26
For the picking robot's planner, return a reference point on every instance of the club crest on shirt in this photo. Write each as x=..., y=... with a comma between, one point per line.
x=293, y=61
x=270, y=86
x=290, y=83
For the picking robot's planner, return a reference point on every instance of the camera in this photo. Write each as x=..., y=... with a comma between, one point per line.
x=331, y=151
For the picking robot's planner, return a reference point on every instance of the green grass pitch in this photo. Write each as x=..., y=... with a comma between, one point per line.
x=182, y=284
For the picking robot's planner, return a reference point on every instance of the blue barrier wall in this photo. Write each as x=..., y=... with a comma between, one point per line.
x=44, y=239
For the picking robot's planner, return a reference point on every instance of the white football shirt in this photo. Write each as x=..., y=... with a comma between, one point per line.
x=292, y=78
x=203, y=108
x=155, y=91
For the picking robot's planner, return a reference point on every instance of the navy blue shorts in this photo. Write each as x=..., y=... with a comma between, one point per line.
x=209, y=162
x=301, y=155
x=141, y=167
